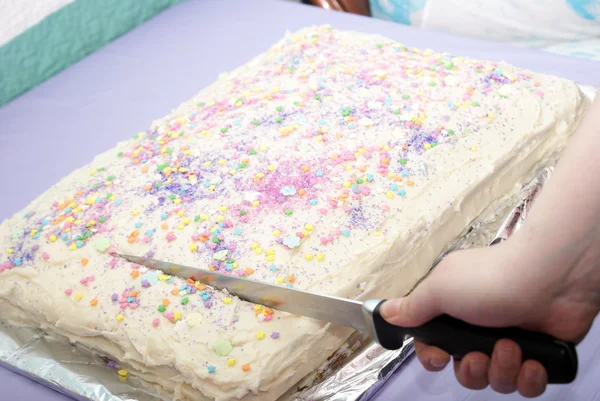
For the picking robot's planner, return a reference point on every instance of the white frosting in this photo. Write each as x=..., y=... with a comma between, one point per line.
x=382, y=154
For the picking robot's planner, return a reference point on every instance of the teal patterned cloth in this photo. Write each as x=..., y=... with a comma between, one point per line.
x=65, y=37
x=566, y=27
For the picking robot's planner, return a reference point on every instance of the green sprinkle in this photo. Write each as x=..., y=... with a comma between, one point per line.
x=403, y=161
x=450, y=66
x=397, y=111
x=405, y=96
x=163, y=166
x=478, y=70
x=278, y=119
x=170, y=150
x=102, y=219
x=197, y=219
x=120, y=154
x=216, y=240
x=242, y=212
x=379, y=46
x=185, y=301
x=433, y=144
x=162, y=308
x=201, y=104
x=230, y=261
x=359, y=180
x=109, y=195
x=243, y=165
x=475, y=104
x=101, y=169
x=95, y=186
x=224, y=130
x=278, y=108
x=256, y=122
x=102, y=244
x=288, y=212
x=296, y=103
x=346, y=112
x=252, y=152
x=432, y=84
x=172, y=197
x=158, y=185
x=318, y=97
x=110, y=178
x=451, y=131
x=222, y=347
x=431, y=68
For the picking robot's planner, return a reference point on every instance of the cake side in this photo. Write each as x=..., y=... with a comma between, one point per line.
x=335, y=162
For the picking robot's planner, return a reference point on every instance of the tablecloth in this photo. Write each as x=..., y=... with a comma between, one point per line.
x=119, y=90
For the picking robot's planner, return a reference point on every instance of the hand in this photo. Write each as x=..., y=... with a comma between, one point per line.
x=502, y=286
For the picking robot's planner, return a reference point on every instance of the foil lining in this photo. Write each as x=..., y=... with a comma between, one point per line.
x=353, y=373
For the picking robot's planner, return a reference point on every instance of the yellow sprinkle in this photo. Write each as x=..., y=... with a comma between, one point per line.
x=427, y=146
x=320, y=256
x=180, y=213
x=186, y=221
x=347, y=184
x=78, y=297
x=180, y=226
x=220, y=218
x=378, y=233
x=254, y=245
x=177, y=316
x=490, y=115
x=135, y=212
x=348, y=168
x=222, y=161
x=207, y=164
x=308, y=256
x=122, y=373
x=474, y=149
x=391, y=174
x=270, y=251
x=120, y=318
x=231, y=362
x=276, y=233
x=177, y=201
x=270, y=258
x=280, y=280
x=235, y=265
x=72, y=247
x=255, y=203
x=271, y=168
x=389, y=194
x=257, y=307
x=53, y=238
x=309, y=227
x=260, y=335
x=227, y=301
x=258, y=251
x=10, y=251
x=305, y=233
x=204, y=217
x=193, y=247
x=263, y=148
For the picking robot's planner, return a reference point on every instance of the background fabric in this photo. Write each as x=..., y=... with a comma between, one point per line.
x=40, y=38
x=568, y=27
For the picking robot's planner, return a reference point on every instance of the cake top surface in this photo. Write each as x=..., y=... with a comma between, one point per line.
x=289, y=170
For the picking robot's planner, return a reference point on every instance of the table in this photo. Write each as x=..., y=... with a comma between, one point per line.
x=119, y=90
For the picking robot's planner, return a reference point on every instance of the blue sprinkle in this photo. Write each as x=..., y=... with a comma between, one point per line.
x=273, y=268
x=351, y=125
x=79, y=244
x=36, y=236
x=319, y=174
x=130, y=299
x=402, y=192
x=183, y=287
x=322, y=122
x=206, y=184
x=498, y=72
x=68, y=210
x=346, y=233
x=118, y=202
x=205, y=295
x=370, y=177
x=138, y=224
x=289, y=285
x=216, y=232
x=238, y=231
x=313, y=201
x=149, y=233
x=18, y=262
x=98, y=200
x=229, y=267
x=211, y=369
x=394, y=187
x=237, y=122
x=405, y=173
x=164, y=216
x=170, y=280
x=45, y=222
x=64, y=237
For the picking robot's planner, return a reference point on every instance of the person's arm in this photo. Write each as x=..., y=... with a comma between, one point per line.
x=545, y=278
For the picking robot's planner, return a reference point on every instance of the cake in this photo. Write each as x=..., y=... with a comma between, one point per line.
x=335, y=162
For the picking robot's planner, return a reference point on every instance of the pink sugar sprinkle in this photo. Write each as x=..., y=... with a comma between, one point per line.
x=330, y=238
x=268, y=318
x=155, y=322
x=169, y=315
x=337, y=232
x=244, y=219
x=92, y=278
x=356, y=196
x=123, y=305
x=113, y=261
x=195, y=238
x=84, y=281
x=385, y=208
x=323, y=241
x=68, y=291
x=45, y=256
x=323, y=211
x=133, y=305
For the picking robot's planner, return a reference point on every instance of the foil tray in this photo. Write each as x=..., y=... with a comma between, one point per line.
x=353, y=373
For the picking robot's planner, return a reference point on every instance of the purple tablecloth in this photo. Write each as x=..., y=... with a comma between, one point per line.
x=119, y=90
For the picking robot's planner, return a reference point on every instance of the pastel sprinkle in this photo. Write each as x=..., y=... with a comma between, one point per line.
x=223, y=347
x=211, y=369
x=274, y=335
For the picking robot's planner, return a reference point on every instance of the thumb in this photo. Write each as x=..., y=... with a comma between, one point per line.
x=462, y=285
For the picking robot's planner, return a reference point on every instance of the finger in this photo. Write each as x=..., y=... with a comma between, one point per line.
x=432, y=358
x=505, y=367
x=532, y=379
x=472, y=371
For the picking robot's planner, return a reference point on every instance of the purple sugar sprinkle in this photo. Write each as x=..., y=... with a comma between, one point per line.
x=145, y=283
x=207, y=304
x=274, y=335
x=114, y=297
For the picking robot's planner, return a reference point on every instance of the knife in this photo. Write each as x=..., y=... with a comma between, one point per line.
x=454, y=336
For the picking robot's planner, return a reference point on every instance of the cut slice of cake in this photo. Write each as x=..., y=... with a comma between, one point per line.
x=335, y=162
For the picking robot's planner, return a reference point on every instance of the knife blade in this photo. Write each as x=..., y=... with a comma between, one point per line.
x=454, y=336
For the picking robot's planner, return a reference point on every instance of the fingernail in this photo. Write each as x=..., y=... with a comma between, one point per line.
x=532, y=375
x=437, y=363
x=506, y=356
x=477, y=369
x=390, y=308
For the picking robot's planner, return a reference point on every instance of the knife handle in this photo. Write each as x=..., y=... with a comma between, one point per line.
x=458, y=338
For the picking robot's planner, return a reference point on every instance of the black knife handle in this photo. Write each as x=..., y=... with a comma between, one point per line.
x=458, y=338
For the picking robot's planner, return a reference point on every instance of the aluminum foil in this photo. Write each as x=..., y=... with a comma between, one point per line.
x=354, y=373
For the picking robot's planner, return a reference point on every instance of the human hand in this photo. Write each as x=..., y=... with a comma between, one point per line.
x=500, y=287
